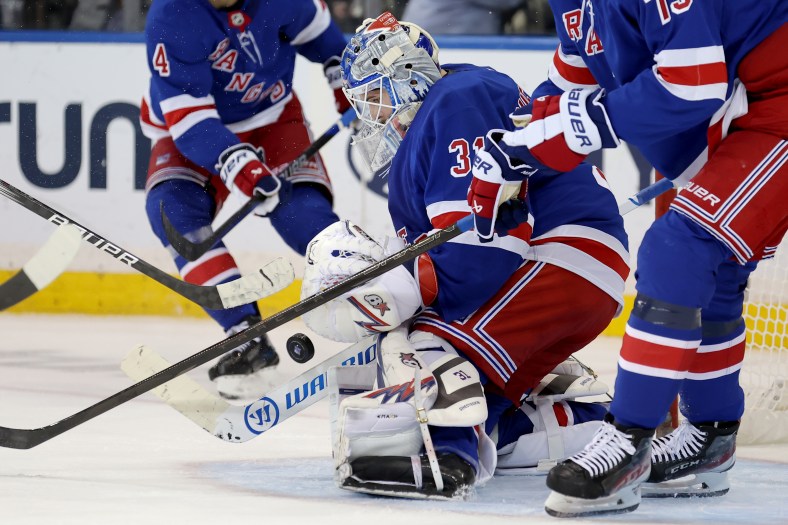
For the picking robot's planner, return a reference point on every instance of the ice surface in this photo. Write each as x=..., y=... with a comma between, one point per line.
x=144, y=463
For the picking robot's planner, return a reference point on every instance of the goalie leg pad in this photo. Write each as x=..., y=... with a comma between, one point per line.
x=390, y=424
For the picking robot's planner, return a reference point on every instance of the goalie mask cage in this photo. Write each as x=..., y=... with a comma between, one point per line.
x=764, y=374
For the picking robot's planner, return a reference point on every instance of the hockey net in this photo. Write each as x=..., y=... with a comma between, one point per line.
x=764, y=375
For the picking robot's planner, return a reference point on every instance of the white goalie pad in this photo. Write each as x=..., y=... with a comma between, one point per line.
x=336, y=253
x=379, y=411
x=549, y=443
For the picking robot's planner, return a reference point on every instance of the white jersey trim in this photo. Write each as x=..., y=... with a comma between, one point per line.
x=191, y=120
x=316, y=27
x=264, y=118
x=180, y=102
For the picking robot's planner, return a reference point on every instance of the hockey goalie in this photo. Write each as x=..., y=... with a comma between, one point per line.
x=471, y=328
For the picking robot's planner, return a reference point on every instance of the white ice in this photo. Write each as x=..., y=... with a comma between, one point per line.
x=143, y=463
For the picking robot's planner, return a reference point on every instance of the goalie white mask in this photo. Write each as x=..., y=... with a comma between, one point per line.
x=387, y=69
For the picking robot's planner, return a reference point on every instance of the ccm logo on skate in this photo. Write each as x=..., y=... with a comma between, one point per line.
x=98, y=242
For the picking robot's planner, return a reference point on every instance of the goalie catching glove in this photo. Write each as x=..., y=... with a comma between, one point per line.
x=243, y=171
x=381, y=305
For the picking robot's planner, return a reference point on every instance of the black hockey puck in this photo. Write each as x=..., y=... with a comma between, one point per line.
x=300, y=348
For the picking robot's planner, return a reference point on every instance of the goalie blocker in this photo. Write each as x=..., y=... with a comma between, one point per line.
x=412, y=425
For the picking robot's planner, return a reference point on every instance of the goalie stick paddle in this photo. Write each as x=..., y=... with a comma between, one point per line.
x=273, y=277
x=28, y=438
x=192, y=251
x=237, y=424
x=50, y=260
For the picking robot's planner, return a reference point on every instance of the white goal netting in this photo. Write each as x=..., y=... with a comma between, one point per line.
x=764, y=375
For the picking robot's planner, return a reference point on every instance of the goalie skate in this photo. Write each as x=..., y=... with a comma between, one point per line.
x=692, y=461
x=410, y=477
x=605, y=477
x=248, y=371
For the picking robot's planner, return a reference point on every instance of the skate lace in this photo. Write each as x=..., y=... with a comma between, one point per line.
x=608, y=448
x=682, y=443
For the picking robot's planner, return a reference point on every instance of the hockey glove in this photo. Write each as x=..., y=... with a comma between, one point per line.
x=245, y=175
x=333, y=74
x=561, y=130
x=497, y=177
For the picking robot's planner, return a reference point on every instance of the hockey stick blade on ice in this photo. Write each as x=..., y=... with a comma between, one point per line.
x=50, y=260
x=238, y=424
x=29, y=438
x=192, y=251
x=273, y=277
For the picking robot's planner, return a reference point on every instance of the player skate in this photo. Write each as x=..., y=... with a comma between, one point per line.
x=693, y=460
x=605, y=477
x=249, y=370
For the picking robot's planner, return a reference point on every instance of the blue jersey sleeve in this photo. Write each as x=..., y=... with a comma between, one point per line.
x=468, y=272
x=312, y=31
x=670, y=63
x=181, y=82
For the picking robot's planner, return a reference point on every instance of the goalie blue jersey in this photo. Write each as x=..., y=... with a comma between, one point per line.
x=669, y=67
x=217, y=72
x=575, y=223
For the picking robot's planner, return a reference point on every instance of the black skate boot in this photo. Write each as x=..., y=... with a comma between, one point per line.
x=395, y=476
x=603, y=478
x=692, y=461
x=248, y=371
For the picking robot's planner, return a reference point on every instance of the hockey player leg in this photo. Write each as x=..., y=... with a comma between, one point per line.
x=414, y=437
x=694, y=459
x=549, y=426
x=248, y=370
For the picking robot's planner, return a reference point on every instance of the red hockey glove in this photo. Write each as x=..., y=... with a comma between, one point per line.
x=561, y=130
x=497, y=177
x=334, y=76
x=245, y=175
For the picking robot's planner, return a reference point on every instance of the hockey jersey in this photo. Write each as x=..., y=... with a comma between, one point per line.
x=575, y=224
x=669, y=67
x=217, y=72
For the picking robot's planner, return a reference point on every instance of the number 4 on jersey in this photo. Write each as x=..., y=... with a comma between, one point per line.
x=160, y=61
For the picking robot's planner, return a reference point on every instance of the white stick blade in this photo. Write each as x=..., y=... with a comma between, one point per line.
x=268, y=280
x=54, y=257
x=182, y=393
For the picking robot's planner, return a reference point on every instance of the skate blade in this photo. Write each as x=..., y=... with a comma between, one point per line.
x=707, y=485
x=561, y=506
x=244, y=389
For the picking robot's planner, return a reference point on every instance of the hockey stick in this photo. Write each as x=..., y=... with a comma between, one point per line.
x=192, y=251
x=29, y=438
x=645, y=195
x=49, y=261
x=237, y=424
x=214, y=415
x=267, y=280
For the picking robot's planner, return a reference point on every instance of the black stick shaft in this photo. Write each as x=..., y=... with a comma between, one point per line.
x=29, y=438
x=191, y=251
x=206, y=296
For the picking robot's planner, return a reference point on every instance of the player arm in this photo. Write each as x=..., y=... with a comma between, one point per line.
x=317, y=38
x=457, y=277
x=689, y=81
